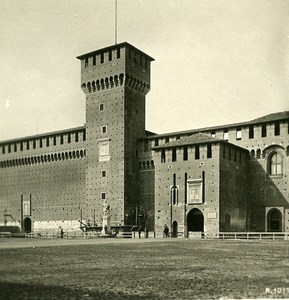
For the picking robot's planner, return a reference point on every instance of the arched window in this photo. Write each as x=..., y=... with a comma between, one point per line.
x=276, y=164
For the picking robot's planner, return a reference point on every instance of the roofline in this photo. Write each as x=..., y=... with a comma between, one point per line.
x=112, y=47
x=30, y=137
x=216, y=141
x=211, y=128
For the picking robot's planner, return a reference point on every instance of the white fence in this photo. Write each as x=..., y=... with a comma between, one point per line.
x=254, y=235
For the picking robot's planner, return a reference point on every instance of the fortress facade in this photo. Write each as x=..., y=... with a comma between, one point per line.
x=216, y=179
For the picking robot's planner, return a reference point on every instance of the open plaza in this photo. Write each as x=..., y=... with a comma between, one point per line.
x=143, y=269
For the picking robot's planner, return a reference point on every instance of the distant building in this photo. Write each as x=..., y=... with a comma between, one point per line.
x=216, y=179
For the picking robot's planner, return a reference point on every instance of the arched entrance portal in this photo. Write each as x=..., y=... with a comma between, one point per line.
x=27, y=225
x=175, y=229
x=274, y=220
x=195, y=220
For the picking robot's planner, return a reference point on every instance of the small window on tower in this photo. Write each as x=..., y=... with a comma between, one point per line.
x=94, y=60
x=251, y=131
x=103, y=196
x=225, y=135
x=110, y=55
x=277, y=128
x=101, y=107
x=101, y=58
x=118, y=53
x=103, y=173
x=239, y=134
x=264, y=130
x=103, y=129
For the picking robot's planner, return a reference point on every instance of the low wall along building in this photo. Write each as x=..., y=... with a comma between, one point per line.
x=216, y=179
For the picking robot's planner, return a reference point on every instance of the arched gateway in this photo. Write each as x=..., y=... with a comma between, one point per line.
x=195, y=220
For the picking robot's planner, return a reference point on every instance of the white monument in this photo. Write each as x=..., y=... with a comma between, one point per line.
x=105, y=219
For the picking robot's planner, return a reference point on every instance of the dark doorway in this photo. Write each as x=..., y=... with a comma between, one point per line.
x=195, y=220
x=27, y=225
x=274, y=220
x=175, y=229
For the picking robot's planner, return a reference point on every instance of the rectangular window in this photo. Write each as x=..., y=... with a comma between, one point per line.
x=61, y=139
x=277, y=128
x=209, y=151
x=174, y=154
x=34, y=144
x=185, y=153
x=118, y=53
x=225, y=135
x=76, y=137
x=264, y=130
x=167, y=140
x=40, y=143
x=94, y=60
x=101, y=58
x=197, y=152
x=163, y=156
x=27, y=145
x=9, y=148
x=101, y=107
x=69, y=138
x=84, y=135
x=178, y=137
x=213, y=134
x=47, y=142
x=251, y=131
x=103, y=196
x=238, y=134
x=156, y=142
x=109, y=55
x=54, y=141
x=86, y=62
x=103, y=129
x=15, y=147
x=103, y=173
x=21, y=146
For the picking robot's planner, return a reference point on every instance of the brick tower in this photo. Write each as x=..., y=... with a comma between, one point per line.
x=115, y=80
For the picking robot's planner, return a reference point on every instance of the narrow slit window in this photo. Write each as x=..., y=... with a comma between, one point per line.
x=277, y=128
x=209, y=151
x=185, y=155
x=174, y=154
x=251, y=131
x=163, y=156
x=197, y=152
x=264, y=130
x=238, y=134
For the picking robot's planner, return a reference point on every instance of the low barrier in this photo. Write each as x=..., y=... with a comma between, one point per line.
x=254, y=235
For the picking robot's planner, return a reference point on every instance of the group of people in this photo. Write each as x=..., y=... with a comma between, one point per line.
x=146, y=233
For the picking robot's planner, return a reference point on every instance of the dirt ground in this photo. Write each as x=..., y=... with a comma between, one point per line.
x=143, y=269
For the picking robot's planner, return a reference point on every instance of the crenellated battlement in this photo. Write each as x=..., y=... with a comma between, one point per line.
x=116, y=81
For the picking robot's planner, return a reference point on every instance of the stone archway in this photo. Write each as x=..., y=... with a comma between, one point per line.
x=274, y=220
x=27, y=225
x=175, y=229
x=195, y=220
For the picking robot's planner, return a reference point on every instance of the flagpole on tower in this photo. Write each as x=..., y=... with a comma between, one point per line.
x=115, y=31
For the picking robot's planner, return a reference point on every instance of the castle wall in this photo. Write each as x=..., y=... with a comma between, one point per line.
x=204, y=169
x=233, y=188
x=51, y=178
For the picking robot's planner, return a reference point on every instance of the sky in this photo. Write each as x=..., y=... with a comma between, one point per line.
x=216, y=62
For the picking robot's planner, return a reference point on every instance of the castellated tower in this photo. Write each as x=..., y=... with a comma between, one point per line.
x=115, y=80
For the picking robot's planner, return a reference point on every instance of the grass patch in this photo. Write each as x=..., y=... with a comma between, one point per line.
x=171, y=269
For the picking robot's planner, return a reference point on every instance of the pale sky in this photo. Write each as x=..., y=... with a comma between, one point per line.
x=216, y=62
